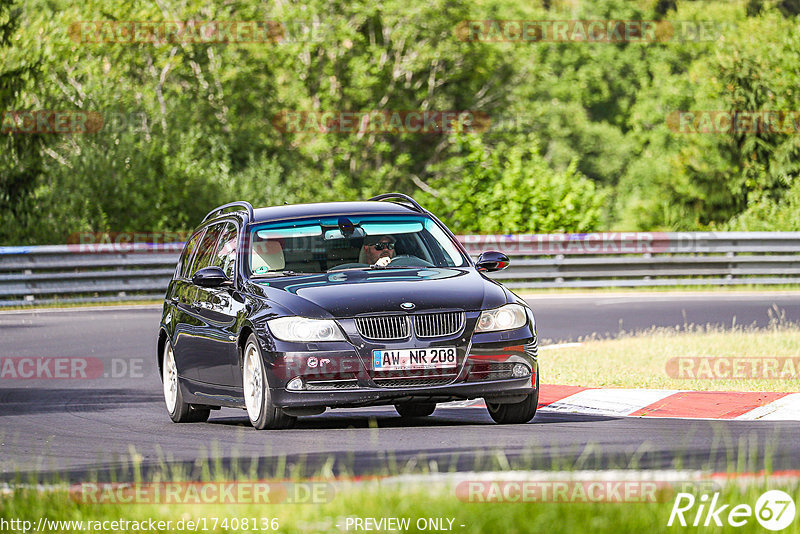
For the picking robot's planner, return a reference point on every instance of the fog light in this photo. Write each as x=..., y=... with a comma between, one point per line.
x=295, y=384
x=519, y=370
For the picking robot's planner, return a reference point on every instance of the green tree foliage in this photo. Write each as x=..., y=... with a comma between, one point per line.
x=21, y=161
x=578, y=139
x=702, y=180
x=511, y=190
x=768, y=214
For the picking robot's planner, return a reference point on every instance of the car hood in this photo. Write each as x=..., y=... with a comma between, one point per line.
x=351, y=293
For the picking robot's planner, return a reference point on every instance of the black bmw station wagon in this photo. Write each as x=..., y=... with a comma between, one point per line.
x=286, y=311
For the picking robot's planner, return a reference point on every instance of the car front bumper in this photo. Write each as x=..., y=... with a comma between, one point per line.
x=342, y=374
x=496, y=390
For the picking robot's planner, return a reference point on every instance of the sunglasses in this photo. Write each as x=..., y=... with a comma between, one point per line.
x=381, y=246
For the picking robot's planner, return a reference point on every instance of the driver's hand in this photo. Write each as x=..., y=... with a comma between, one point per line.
x=383, y=262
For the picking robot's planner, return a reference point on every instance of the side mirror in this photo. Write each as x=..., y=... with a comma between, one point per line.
x=491, y=261
x=211, y=277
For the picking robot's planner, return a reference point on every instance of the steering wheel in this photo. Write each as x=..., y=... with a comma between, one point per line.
x=408, y=260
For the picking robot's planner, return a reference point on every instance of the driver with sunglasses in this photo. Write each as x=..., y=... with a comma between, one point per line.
x=379, y=250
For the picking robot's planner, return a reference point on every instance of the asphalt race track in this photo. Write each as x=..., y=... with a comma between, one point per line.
x=76, y=427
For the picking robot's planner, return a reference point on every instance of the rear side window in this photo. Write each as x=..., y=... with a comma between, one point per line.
x=186, y=257
x=205, y=250
x=225, y=257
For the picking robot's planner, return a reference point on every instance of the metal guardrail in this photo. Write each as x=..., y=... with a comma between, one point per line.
x=645, y=259
x=96, y=273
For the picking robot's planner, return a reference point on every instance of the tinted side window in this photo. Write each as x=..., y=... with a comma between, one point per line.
x=225, y=257
x=186, y=257
x=205, y=250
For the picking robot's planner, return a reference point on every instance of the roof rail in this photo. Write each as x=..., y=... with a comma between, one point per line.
x=240, y=203
x=401, y=196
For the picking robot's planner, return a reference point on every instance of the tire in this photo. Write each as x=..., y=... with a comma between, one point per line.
x=419, y=409
x=258, y=402
x=179, y=411
x=517, y=413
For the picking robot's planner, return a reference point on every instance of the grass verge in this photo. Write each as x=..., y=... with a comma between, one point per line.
x=415, y=503
x=691, y=357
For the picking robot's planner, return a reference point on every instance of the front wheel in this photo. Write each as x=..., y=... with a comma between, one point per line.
x=517, y=413
x=179, y=411
x=262, y=413
x=419, y=409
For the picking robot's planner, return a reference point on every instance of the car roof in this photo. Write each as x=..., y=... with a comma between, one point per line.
x=327, y=209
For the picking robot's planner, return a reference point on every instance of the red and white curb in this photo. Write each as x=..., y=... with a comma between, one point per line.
x=748, y=406
x=672, y=403
x=786, y=408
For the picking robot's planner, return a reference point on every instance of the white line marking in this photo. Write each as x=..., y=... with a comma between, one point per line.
x=644, y=295
x=784, y=409
x=560, y=346
x=461, y=404
x=616, y=402
x=126, y=307
x=615, y=475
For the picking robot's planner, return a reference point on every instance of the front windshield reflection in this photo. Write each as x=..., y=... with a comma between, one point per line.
x=363, y=243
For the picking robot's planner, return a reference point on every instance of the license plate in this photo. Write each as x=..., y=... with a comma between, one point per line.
x=410, y=359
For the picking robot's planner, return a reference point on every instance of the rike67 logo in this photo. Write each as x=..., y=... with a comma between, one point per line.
x=774, y=510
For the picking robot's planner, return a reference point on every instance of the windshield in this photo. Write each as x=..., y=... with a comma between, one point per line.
x=351, y=242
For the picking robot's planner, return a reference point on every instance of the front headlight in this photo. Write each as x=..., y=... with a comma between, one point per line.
x=303, y=330
x=503, y=318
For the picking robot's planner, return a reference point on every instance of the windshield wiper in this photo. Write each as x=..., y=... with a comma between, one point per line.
x=274, y=274
x=365, y=268
x=373, y=268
